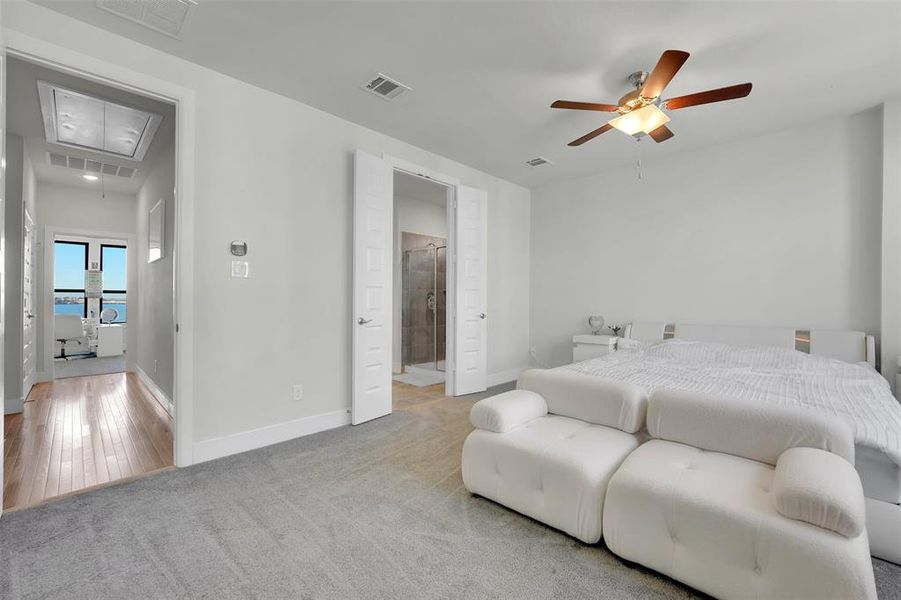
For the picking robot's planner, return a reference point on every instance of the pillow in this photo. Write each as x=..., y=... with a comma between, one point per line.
x=505, y=412
x=819, y=488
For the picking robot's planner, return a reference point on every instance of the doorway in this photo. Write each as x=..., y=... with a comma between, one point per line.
x=420, y=281
x=91, y=319
x=89, y=326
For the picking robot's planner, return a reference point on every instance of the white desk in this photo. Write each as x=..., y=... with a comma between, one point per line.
x=591, y=346
x=110, y=340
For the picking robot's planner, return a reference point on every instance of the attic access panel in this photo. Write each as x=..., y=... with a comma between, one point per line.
x=81, y=121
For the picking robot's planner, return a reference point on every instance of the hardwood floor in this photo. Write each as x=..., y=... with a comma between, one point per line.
x=81, y=432
x=406, y=397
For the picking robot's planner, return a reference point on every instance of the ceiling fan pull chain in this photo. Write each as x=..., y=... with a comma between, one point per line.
x=638, y=163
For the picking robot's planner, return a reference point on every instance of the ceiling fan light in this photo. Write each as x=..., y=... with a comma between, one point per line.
x=643, y=120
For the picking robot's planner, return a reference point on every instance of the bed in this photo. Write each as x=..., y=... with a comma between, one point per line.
x=826, y=371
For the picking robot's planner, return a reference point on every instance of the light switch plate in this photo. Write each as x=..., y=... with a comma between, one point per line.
x=240, y=269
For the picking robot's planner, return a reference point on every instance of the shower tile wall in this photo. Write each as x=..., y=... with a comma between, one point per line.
x=418, y=320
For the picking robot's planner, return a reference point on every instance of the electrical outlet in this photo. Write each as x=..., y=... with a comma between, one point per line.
x=156, y=367
x=298, y=391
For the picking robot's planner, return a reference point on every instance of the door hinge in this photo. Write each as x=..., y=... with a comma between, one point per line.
x=176, y=328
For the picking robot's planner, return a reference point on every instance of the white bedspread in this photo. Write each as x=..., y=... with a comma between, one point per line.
x=854, y=392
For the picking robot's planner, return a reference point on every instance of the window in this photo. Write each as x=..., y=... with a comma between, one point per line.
x=113, y=260
x=69, y=264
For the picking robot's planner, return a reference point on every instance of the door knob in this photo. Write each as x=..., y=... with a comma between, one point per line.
x=362, y=321
x=482, y=315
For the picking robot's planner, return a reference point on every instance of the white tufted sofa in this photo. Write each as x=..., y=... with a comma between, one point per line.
x=548, y=449
x=743, y=501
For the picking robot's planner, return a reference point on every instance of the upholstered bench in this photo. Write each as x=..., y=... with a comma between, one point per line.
x=548, y=449
x=743, y=500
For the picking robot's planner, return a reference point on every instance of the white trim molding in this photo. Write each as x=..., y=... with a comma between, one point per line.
x=505, y=376
x=266, y=436
x=157, y=392
x=13, y=405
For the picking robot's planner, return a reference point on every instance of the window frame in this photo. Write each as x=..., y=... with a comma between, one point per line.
x=104, y=290
x=87, y=249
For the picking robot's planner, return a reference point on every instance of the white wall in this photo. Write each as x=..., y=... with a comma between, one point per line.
x=84, y=208
x=891, y=241
x=278, y=174
x=413, y=216
x=78, y=210
x=156, y=344
x=14, y=204
x=781, y=230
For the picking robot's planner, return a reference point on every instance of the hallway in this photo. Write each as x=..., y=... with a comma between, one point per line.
x=82, y=432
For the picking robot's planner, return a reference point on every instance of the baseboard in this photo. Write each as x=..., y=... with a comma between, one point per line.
x=13, y=405
x=505, y=376
x=157, y=392
x=266, y=436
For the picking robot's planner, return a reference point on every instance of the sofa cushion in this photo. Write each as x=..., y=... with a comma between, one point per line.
x=554, y=469
x=507, y=411
x=820, y=488
x=760, y=431
x=589, y=398
x=709, y=520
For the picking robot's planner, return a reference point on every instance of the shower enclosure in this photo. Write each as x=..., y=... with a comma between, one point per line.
x=423, y=314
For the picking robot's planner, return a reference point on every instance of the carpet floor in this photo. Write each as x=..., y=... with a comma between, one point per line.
x=374, y=511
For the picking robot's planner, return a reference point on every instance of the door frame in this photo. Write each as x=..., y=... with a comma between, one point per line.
x=29, y=381
x=24, y=47
x=452, y=184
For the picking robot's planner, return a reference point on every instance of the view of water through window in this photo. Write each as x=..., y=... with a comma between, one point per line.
x=70, y=263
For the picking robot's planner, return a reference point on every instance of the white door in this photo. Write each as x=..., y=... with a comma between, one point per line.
x=471, y=345
x=28, y=308
x=373, y=287
x=2, y=237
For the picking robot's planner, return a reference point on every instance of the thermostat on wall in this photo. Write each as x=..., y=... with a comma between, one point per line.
x=238, y=248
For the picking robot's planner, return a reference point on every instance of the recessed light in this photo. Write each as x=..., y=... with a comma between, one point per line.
x=90, y=177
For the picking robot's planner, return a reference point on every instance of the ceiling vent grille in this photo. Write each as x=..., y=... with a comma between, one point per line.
x=164, y=16
x=538, y=161
x=384, y=87
x=87, y=165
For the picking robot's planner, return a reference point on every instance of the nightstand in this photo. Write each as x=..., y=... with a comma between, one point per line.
x=587, y=346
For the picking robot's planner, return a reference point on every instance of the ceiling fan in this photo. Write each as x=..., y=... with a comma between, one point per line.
x=640, y=111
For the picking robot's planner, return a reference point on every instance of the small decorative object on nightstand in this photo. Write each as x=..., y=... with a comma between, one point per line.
x=596, y=322
x=587, y=346
x=615, y=328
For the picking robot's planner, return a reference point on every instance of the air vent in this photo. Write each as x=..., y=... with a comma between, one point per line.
x=538, y=161
x=90, y=166
x=384, y=87
x=164, y=16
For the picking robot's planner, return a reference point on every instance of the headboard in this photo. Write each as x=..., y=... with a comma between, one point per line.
x=781, y=337
x=849, y=346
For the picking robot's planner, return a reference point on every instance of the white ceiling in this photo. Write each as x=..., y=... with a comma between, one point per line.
x=418, y=188
x=24, y=119
x=483, y=74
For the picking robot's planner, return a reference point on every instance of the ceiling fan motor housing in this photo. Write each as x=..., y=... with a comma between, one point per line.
x=633, y=100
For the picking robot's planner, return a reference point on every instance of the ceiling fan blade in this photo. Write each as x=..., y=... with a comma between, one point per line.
x=727, y=93
x=669, y=64
x=590, y=136
x=584, y=106
x=661, y=134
